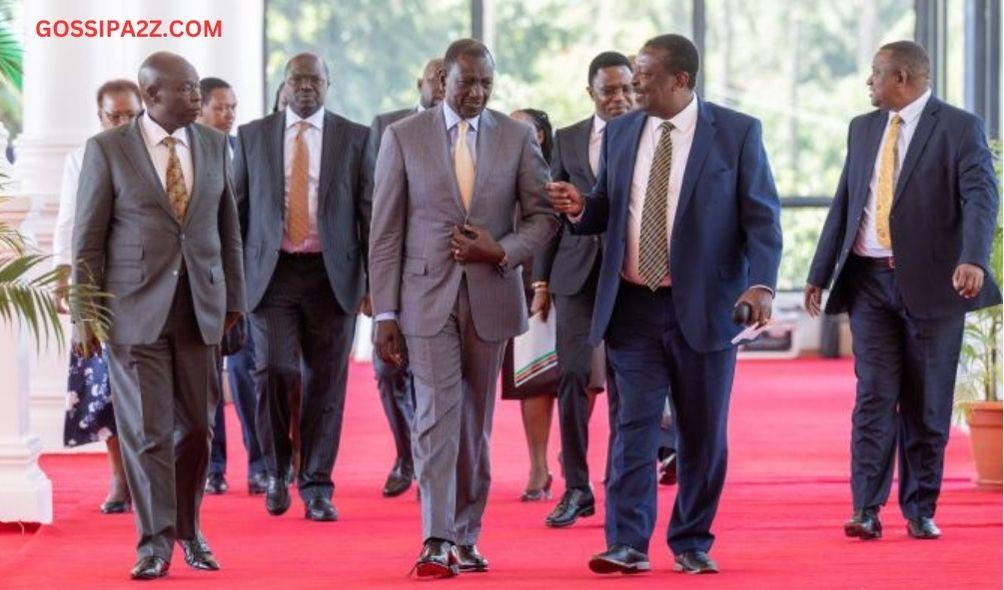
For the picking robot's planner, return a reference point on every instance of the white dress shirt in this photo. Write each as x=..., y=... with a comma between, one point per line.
x=867, y=243
x=595, y=143
x=62, y=237
x=314, y=138
x=684, y=124
x=153, y=136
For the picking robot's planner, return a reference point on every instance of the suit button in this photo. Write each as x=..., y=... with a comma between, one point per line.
x=175, y=273
x=182, y=236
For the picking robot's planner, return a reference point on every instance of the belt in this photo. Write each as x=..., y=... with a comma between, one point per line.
x=876, y=261
x=300, y=255
x=629, y=286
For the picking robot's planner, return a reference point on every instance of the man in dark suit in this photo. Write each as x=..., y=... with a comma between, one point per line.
x=156, y=227
x=905, y=250
x=687, y=201
x=397, y=394
x=303, y=195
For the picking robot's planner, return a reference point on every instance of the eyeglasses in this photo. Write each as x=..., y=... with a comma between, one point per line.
x=119, y=118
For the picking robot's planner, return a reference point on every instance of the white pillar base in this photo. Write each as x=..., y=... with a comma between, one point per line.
x=25, y=491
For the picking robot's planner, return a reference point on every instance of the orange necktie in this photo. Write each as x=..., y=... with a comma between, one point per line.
x=297, y=208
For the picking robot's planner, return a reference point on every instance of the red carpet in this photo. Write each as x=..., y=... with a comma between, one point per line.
x=779, y=525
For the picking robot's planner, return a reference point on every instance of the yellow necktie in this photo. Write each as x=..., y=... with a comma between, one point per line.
x=886, y=182
x=175, y=177
x=463, y=165
x=297, y=209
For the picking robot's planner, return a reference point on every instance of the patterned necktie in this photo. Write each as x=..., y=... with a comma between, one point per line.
x=886, y=182
x=463, y=166
x=297, y=208
x=653, y=250
x=176, y=191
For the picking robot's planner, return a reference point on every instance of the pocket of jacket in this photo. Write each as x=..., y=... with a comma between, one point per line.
x=415, y=266
x=123, y=274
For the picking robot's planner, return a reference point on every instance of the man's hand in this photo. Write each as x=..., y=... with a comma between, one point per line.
x=760, y=301
x=565, y=198
x=390, y=343
x=366, y=306
x=231, y=320
x=541, y=303
x=473, y=244
x=63, y=289
x=813, y=300
x=968, y=280
x=84, y=343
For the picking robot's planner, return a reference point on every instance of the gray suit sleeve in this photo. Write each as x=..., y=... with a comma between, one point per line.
x=95, y=198
x=364, y=201
x=387, y=231
x=544, y=262
x=230, y=242
x=538, y=222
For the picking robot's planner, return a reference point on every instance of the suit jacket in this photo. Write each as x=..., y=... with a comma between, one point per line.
x=379, y=125
x=569, y=259
x=343, y=207
x=943, y=214
x=417, y=205
x=726, y=234
x=128, y=242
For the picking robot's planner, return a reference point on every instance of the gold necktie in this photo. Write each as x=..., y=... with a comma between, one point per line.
x=886, y=182
x=297, y=208
x=176, y=191
x=653, y=248
x=463, y=165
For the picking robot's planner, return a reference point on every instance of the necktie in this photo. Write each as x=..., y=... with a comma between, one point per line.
x=886, y=182
x=176, y=191
x=297, y=208
x=653, y=250
x=463, y=166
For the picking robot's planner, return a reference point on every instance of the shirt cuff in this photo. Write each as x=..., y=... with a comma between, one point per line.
x=387, y=315
x=765, y=288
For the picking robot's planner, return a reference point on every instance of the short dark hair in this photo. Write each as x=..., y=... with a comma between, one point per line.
x=910, y=56
x=680, y=55
x=607, y=59
x=207, y=85
x=465, y=47
x=542, y=123
x=116, y=86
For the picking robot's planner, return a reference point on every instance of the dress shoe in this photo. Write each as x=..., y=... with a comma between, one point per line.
x=619, y=558
x=198, y=555
x=437, y=560
x=257, y=484
x=574, y=503
x=471, y=559
x=149, y=567
x=540, y=494
x=923, y=528
x=276, y=496
x=398, y=480
x=116, y=506
x=864, y=525
x=695, y=562
x=321, y=510
x=216, y=484
x=667, y=469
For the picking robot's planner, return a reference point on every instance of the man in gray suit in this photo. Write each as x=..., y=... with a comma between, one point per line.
x=302, y=191
x=156, y=228
x=446, y=245
x=397, y=393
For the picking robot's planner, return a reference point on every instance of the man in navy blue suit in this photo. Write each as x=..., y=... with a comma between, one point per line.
x=687, y=201
x=906, y=246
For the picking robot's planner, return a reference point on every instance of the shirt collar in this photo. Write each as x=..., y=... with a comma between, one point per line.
x=599, y=125
x=684, y=121
x=452, y=118
x=912, y=111
x=155, y=134
x=315, y=120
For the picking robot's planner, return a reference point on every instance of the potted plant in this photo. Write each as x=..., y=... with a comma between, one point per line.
x=978, y=391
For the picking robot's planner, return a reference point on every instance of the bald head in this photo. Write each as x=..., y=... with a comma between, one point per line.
x=170, y=89
x=306, y=83
x=430, y=85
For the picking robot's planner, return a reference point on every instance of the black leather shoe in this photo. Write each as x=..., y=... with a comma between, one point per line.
x=149, y=567
x=923, y=528
x=116, y=506
x=257, y=484
x=619, y=558
x=198, y=555
x=864, y=525
x=321, y=510
x=574, y=503
x=437, y=560
x=398, y=480
x=216, y=484
x=471, y=559
x=276, y=496
x=667, y=469
x=695, y=562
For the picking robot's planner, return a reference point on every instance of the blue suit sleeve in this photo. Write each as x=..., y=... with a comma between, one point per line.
x=978, y=193
x=759, y=211
x=828, y=247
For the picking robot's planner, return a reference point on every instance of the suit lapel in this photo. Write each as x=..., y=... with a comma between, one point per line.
x=625, y=162
x=275, y=132
x=200, y=155
x=873, y=141
x=332, y=151
x=925, y=125
x=487, y=145
x=704, y=135
x=583, y=134
x=134, y=148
